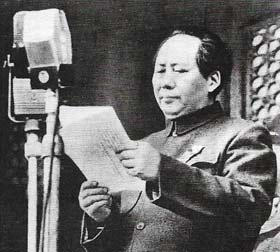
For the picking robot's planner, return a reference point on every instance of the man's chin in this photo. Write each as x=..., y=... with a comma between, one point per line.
x=170, y=115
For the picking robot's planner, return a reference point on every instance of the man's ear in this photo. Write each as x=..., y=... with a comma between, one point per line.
x=213, y=81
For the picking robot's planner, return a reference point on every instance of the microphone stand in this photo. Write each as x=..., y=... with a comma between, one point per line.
x=32, y=151
x=52, y=149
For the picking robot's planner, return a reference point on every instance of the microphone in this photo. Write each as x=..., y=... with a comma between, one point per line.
x=45, y=35
x=42, y=58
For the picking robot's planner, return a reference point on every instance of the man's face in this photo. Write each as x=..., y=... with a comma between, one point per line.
x=178, y=85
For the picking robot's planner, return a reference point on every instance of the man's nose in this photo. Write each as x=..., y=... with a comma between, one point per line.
x=168, y=81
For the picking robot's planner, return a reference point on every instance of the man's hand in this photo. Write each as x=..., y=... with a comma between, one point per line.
x=95, y=201
x=142, y=160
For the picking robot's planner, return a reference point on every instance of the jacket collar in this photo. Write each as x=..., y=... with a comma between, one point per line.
x=186, y=123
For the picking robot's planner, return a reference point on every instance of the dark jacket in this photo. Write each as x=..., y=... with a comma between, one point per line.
x=217, y=179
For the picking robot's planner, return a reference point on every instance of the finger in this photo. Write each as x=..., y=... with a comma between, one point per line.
x=133, y=172
x=132, y=145
x=94, y=207
x=94, y=199
x=128, y=163
x=88, y=184
x=93, y=191
x=127, y=154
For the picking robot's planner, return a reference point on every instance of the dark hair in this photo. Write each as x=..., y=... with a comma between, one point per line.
x=213, y=54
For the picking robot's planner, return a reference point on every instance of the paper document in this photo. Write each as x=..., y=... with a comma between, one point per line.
x=92, y=136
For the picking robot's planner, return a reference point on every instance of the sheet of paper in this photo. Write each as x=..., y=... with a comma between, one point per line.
x=92, y=136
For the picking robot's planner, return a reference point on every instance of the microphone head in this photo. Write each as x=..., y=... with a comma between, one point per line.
x=46, y=37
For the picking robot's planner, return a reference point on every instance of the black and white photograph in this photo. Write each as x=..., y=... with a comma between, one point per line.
x=139, y=126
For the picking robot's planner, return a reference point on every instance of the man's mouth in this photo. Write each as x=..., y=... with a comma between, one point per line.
x=168, y=99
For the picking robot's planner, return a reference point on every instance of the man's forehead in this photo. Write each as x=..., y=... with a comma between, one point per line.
x=181, y=47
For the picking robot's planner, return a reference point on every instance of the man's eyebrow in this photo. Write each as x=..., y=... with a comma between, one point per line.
x=172, y=64
x=163, y=64
x=181, y=64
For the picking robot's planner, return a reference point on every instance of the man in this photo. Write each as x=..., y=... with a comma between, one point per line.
x=209, y=178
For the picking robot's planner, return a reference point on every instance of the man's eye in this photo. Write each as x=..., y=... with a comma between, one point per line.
x=181, y=70
x=160, y=70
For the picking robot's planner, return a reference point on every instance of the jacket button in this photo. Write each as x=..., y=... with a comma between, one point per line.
x=140, y=226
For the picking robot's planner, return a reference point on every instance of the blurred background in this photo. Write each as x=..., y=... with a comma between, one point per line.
x=113, y=45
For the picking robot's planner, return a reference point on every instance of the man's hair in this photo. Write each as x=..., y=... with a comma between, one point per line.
x=213, y=54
